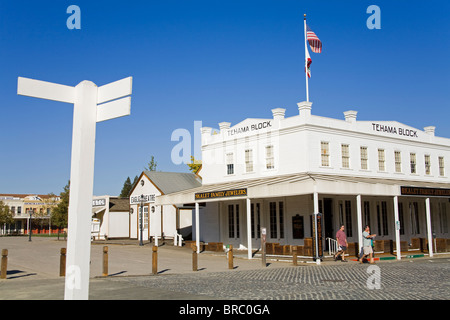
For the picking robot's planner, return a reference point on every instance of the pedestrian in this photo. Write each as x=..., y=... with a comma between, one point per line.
x=342, y=243
x=367, y=244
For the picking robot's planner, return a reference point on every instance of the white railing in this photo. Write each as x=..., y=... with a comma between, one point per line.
x=332, y=246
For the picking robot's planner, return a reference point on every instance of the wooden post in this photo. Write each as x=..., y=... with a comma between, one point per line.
x=155, y=260
x=105, y=261
x=62, y=263
x=194, y=258
x=4, y=267
x=294, y=255
x=230, y=257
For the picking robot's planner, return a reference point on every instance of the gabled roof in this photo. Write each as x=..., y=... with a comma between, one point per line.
x=119, y=204
x=170, y=182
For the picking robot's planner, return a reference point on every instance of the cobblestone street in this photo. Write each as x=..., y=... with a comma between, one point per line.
x=406, y=280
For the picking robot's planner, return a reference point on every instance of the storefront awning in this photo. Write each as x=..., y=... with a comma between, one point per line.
x=298, y=184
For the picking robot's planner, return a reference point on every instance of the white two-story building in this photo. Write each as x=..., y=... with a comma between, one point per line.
x=276, y=173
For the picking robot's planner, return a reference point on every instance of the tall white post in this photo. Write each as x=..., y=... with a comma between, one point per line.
x=249, y=229
x=359, y=221
x=197, y=226
x=92, y=104
x=429, y=232
x=397, y=229
x=81, y=189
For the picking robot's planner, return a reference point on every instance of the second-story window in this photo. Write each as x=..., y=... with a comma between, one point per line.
x=230, y=164
x=381, y=160
x=248, y=160
x=269, y=157
x=325, y=154
x=398, y=161
x=364, y=158
x=427, y=164
x=412, y=161
x=441, y=166
x=345, y=156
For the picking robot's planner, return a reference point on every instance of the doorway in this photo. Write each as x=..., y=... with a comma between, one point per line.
x=328, y=220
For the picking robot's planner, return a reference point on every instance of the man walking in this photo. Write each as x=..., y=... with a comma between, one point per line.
x=342, y=243
x=367, y=244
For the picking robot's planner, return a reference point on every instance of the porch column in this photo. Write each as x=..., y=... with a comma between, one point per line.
x=249, y=229
x=197, y=226
x=359, y=221
x=430, y=236
x=397, y=228
x=316, y=211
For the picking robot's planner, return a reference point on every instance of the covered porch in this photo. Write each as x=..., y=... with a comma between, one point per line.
x=234, y=213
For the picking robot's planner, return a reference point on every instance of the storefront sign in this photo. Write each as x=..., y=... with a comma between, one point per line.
x=429, y=192
x=99, y=202
x=394, y=130
x=221, y=194
x=147, y=198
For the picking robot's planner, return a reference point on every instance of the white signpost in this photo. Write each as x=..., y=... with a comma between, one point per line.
x=92, y=104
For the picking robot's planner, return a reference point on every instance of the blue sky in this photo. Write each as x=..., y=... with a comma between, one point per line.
x=208, y=61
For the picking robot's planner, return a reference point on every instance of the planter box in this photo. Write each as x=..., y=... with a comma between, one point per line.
x=214, y=246
x=307, y=248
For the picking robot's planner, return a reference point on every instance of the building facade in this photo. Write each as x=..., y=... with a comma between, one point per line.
x=278, y=173
x=21, y=205
x=161, y=221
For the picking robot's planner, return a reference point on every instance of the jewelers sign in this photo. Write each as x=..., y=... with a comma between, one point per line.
x=429, y=192
x=221, y=194
x=146, y=198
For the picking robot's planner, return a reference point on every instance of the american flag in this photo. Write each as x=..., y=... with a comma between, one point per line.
x=308, y=64
x=313, y=40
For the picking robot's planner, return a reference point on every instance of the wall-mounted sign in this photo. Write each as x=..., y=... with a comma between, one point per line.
x=221, y=194
x=394, y=130
x=145, y=198
x=429, y=192
x=99, y=202
x=250, y=127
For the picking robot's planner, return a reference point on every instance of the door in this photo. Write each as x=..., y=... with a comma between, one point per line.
x=234, y=231
x=328, y=220
x=255, y=221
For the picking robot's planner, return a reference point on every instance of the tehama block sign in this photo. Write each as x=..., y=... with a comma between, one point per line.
x=92, y=104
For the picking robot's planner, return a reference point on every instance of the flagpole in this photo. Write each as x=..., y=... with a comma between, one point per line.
x=306, y=64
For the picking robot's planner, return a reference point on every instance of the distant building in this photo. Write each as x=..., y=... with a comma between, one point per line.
x=21, y=205
x=161, y=220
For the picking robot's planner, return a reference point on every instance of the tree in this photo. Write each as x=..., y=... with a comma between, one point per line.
x=60, y=213
x=126, y=188
x=195, y=165
x=6, y=216
x=151, y=165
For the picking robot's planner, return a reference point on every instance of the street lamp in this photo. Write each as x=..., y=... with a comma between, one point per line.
x=30, y=211
x=141, y=221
